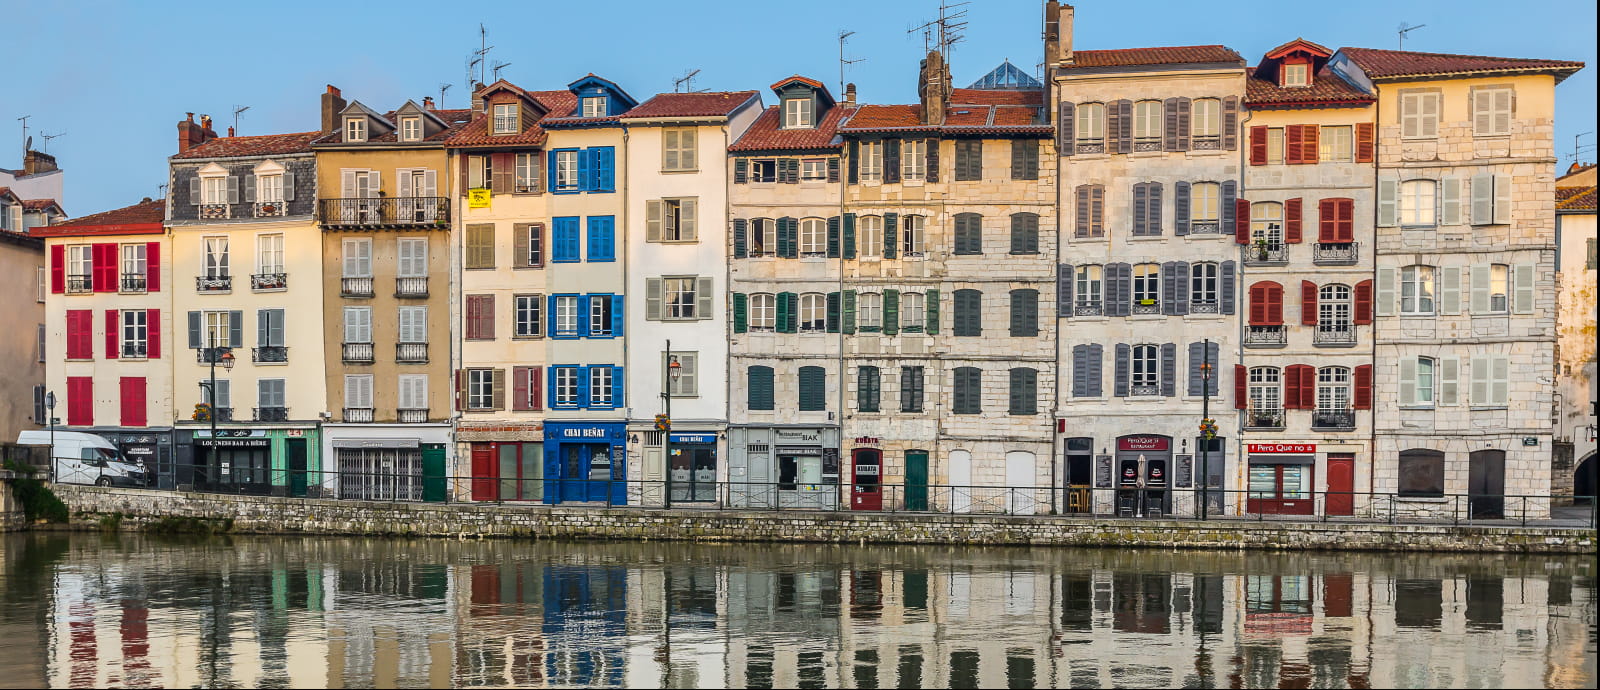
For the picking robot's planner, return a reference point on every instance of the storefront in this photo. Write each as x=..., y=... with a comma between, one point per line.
x=694, y=467
x=784, y=467
x=386, y=462
x=150, y=448
x=1282, y=478
x=585, y=462
x=507, y=460
x=1144, y=475
x=263, y=461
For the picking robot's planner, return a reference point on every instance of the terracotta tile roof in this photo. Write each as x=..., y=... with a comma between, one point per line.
x=797, y=78
x=707, y=104
x=1262, y=90
x=1300, y=42
x=1398, y=64
x=1130, y=57
x=143, y=217
x=556, y=103
x=881, y=117
x=764, y=134
x=1033, y=97
x=265, y=145
x=1575, y=199
x=39, y=204
x=475, y=133
x=960, y=118
x=455, y=119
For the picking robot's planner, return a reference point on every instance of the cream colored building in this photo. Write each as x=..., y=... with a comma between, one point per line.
x=1573, y=471
x=23, y=272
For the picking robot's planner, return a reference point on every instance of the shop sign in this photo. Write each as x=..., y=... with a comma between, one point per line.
x=1144, y=443
x=866, y=441
x=294, y=433
x=1102, y=471
x=583, y=432
x=788, y=435
x=866, y=469
x=1185, y=478
x=694, y=438
x=1290, y=448
x=231, y=433
x=237, y=442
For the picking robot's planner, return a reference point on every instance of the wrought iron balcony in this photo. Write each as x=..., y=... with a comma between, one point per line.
x=269, y=209
x=1262, y=254
x=411, y=287
x=224, y=414
x=1334, y=254
x=1333, y=419
x=209, y=355
x=135, y=282
x=222, y=283
x=1334, y=336
x=358, y=414
x=77, y=285
x=135, y=350
x=272, y=414
x=1205, y=227
x=411, y=353
x=1139, y=390
x=1090, y=146
x=1205, y=306
x=1266, y=336
x=1264, y=419
x=214, y=211
x=271, y=354
x=269, y=281
x=385, y=212
x=412, y=416
x=1088, y=309
x=1206, y=143
x=358, y=353
x=355, y=287
x=1140, y=307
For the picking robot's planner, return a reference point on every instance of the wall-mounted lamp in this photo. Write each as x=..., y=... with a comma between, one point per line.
x=633, y=438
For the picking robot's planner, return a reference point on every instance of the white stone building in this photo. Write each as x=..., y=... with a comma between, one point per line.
x=1574, y=465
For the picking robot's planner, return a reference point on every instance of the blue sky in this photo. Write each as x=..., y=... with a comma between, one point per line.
x=116, y=77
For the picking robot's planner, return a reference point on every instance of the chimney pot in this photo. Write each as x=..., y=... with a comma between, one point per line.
x=191, y=117
x=427, y=102
x=850, y=94
x=332, y=104
x=230, y=130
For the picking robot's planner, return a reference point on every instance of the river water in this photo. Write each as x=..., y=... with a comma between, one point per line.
x=123, y=610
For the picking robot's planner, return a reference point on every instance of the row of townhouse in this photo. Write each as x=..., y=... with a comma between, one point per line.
x=1019, y=296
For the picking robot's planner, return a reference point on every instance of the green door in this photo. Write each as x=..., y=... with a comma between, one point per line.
x=433, y=474
x=297, y=467
x=916, y=480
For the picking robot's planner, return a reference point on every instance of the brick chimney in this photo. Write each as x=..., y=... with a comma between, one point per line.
x=850, y=94
x=477, y=97
x=332, y=105
x=1064, y=34
x=933, y=86
x=427, y=102
x=35, y=162
x=191, y=134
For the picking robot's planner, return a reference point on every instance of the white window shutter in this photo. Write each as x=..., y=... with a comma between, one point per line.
x=1384, y=299
x=249, y=188
x=404, y=175
x=1448, y=388
x=1522, y=288
x=702, y=297
x=1450, y=201
x=1450, y=290
x=1480, y=382
x=1388, y=191
x=1499, y=380
x=652, y=299
x=347, y=184
x=1409, y=115
x=1480, y=288
x=430, y=184
x=686, y=149
x=652, y=220
x=1482, y=199
x=288, y=186
x=1502, y=199
x=669, y=149
x=1408, y=381
x=686, y=219
x=376, y=184
x=1482, y=111
x=1504, y=107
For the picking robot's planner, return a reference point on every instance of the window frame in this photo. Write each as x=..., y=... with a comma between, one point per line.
x=1296, y=74
x=1337, y=144
x=1147, y=282
x=913, y=236
x=504, y=119
x=593, y=106
x=684, y=308
x=411, y=128
x=1085, y=285
x=871, y=164
x=134, y=331
x=213, y=265
x=913, y=160
x=1335, y=389
x=1335, y=308
x=564, y=387
x=1494, y=112
x=812, y=238
x=1205, y=283
x=869, y=233
x=1276, y=145
x=1427, y=126
x=798, y=113
x=763, y=312
x=567, y=311
x=1148, y=121
x=814, y=304
x=913, y=312
x=527, y=316
x=869, y=312
x=1144, y=368
x=1410, y=212
x=269, y=247
x=1205, y=118
x=567, y=171
x=480, y=389
x=1265, y=390
x=680, y=157
x=1090, y=125
x=1205, y=202
x=355, y=129
x=1421, y=281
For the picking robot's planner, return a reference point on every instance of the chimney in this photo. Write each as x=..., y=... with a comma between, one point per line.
x=1052, y=33
x=35, y=162
x=332, y=105
x=427, y=102
x=1065, y=34
x=850, y=94
x=191, y=134
x=230, y=130
x=477, y=97
x=933, y=86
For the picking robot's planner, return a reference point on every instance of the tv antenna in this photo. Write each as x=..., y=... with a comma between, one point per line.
x=949, y=27
x=1579, y=148
x=482, y=53
x=843, y=62
x=27, y=143
x=685, y=84
x=237, y=111
x=47, y=137
x=499, y=66
x=443, y=88
x=1405, y=29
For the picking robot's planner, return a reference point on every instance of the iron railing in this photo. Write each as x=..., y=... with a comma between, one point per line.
x=269, y=281
x=1263, y=254
x=1264, y=419
x=1205, y=306
x=135, y=350
x=79, y=284
x=412, y=415
x=219, y=283
x=358, y=353
x=269, y=209
x=1333, y=419
x=270, y=354
x=411, y=353
x=385, y=212
x=1205, y=227
x=135, y=282
x=1334, y=335
x=1154, y=307
x=272, y=414
x=1266, y=336
x=1087, y=309
x=355, y=286
x=411, y=287
x=1335, y=254
x=358, y=414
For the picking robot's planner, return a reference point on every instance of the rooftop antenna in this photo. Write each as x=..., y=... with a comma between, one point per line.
x=843, y=62
x=47, y=137
x=443, y=88
x=949, y=27
x=237, y=111
x=499, y=66
x=483, y=50
x=1405, y=29
x=1579, y=148
x=472, y=64
x=26, y=142
x=685, y=83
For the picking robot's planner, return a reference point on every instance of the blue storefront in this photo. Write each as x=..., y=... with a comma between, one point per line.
x=585, y=462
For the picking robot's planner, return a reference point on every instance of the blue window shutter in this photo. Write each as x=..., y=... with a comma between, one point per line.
x=583, y=385
x=550, y=315
x=550, y=391
x=605, y=169
x=585, y=170
x=617, y=389
x=550, y=170
x=616, y=318
x=574, y=243
x=583, y=316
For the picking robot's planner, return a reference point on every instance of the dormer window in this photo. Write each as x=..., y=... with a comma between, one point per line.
x=355, y=129
x=1297, y=75
x=505, y=118
x=594, y=106
x=411, y=128
x=797, y=113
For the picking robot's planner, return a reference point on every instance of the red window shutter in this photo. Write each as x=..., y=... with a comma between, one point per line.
x=504, y=167
x=1364, y=141
x=113, y=334
x=1258, y=145
x=1241, y=221
x=1308, y=387
x=79, y=334
x=152, y=258
x=1308, y=303
x=80, y=401
x=1363, y=315
x=483, y=472
x=1241, y=387
x=1345, y=226
x=472, y=317
x=1291, y=387
x=58, y=269
x=519, y=388
x=153, y=317
x=461, y=403
x=104, y=256
x=1363, y=396
x=1309, y=143
x=1291, y=145
x=536, y=389
x=1258, y=304
x=1327, y=220
x=1271, y=304
x=133, y=401
x=1293, y=214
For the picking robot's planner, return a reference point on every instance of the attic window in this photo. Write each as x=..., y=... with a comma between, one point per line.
x=505, y=118
x=594, y=106
x=797, y=113
x=1296, y=75
x=355, y=129
x=411, y=128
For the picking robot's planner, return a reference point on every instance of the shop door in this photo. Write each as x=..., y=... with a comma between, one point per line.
x=1280, y=489
x=297, y=467
x=483, y=472
x=434, y=488
x=916, y=480
x=866, y=490
x=1341, y=482
x=585, y=471
x=1486, y=484
x=1079, y=469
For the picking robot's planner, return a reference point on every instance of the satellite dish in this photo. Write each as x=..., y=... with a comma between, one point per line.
x=28, y=145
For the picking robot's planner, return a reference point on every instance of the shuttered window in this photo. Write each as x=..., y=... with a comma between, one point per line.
x=813, y=384
x=967, y=391
x=1024, y=391
x=1024, y=313
x=968, y=233
x=868, y=389
x=1199, y=355
x=678, y=149
x=480, y=246
x=1492, y=110
x=1090, y=211
x=1087, y=370
x=968, y=313
x=1025, y=233
x=565, y=244
x=1419, y=114
x=480, y=317
x=911, y=389
x=1024, y=159
x=969, y=160
x=758, y=388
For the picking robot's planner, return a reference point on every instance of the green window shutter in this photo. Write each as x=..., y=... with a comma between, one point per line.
x=931, y=323
x=758, y=388
x=794, y=312
x=849, y=235
x=867, y=389
x=782, y=321
x=833, y=312
x=891, y=224
x=891, y=312
x=833, y=237
x=741, y=307
x=849, y=312
x=740, y=242
x=813, y=385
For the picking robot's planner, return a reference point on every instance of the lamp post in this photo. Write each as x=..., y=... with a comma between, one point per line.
x=212, y=356
x=1208, y=429
x=674, y=370
x=50, y=416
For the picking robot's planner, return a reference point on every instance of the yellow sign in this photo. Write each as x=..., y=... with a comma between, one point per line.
x=478, y=198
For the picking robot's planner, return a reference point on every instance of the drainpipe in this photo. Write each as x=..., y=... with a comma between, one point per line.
x=1242, y=314
x=844, y=373
x=725, y=450
x=1372, y=426
x=457, y=344
x=1057, y=446
x=620, y=172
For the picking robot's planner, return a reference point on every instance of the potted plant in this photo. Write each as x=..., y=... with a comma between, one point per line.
x=1261, y=248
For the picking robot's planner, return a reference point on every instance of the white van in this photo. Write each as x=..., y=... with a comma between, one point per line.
x=82, y=458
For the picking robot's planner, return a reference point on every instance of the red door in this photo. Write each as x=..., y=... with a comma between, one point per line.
x=866, y=492
x=483, y=473
x=1341, y=484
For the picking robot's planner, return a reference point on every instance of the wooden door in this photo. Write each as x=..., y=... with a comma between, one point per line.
x=916, y=480
x=1341, y=482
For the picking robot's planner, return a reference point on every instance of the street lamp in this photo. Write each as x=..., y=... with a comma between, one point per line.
x=50, y=416
x=674, y=371
x=1208, y=428
x=226, y=358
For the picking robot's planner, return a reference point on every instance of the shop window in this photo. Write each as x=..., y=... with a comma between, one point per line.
x=1421, y=473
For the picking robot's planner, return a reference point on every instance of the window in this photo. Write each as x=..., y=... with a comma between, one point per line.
x=529, y=316
x=1419, y=114
x=135, y=333
x=1338, y=144
x=357, y=324
x=1266, y=395
x=566, y=247
x=1203, y=288
x=1024, y=313
x=80, y=264
x=763, y=311
x=680, y=297
x=1024, y=391
x=678, y=149
x=1417, y=202
x=1147, y=122
x=411, y=127
x=1421, y=473
x=1416, y=290
x=1333, y=309
x=413, y=391
x=1490, y=381
x=968, y=313
x=914, y=159
x=763, y=237
x=871, y=161
x=1147, y=288
x=1024, y=233
x=1087, y=294
x=270, y=393
x=1144, y=376
x=813, y=312
x=566, y=315
x=506, y=120
x=1091, y=125
x=813, y=237
x=869, y=311
x=134, y=265
x=1423, y=391
x=813, y=169
x=1499, y=282
x=871, y=236
x=218, y=329
x=602, y=238
x=224, y=393
x=1275, y=145
x=566, y=171
x=813, y=384
x=1207, y=119
x=480, y=389
x=413, y=325
x=796, y=113
x=565, y=380
x=357, y=257
x=1205, y=202
x=967, y=393
x=601, y=311
x=215, y=261
x=214, y=189
x=527, y=173
x=868, y=389
x=913, y=310
x=915, y=232
x=670, y=220
x=1296, y=75
x=355, y=129
x=765, y=170
x=269, y=254
x=758, y=388
x=269, y=188
x=413, y=259
x=1491, y=110
x=594, y=106
x=1333, y=389
x=911, y=389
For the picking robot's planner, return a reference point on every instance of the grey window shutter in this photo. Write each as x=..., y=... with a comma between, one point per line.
x=1022, y=391
x=1119, y=387
x=1082, y=227
x=233, y=189
x=263, y=327
x=1388, y=193
x=1124, y=293
x=288, y=186
x=1097, y=353
x=1125, y=126
x=1080, y=373
x=1064, y=279
x=1113, y=127
x=891, y=161
x=194, y=331
x=1227, y=287
x=741, y=168
x=1196, y=357
x=741, y=231
x=652, y=299
x=1169, y=369
x=1024, y=159
x=1230, y=193
x=833, y=169
x=855, y=161
x=1152, y=215
x=931, y=160
x=194, y=191
x=702, y=297
x=249, y=188
x=1180, y=290
x=1180, y=209
x=1067, y=112
x=1230, y=123
x=1140, y=203
x=1169, y=130
x=1169, y=288
x=1185, y=108
x=236, y=329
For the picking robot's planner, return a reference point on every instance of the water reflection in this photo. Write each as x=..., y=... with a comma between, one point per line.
x=87, y=610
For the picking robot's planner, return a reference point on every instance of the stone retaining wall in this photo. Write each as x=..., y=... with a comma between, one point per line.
x=271, y=515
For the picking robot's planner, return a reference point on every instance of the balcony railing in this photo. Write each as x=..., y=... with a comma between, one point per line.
x=1334, y=336
x=272, y=414
x=1205, y=306
x=358, y=414
x=269, y=281
x=1141, y=307
x=209, y=355
x=269, y=209
x=1334, y=254
x=1333, y=419
x=1138, y=390
x=1266, y=336
x=1206, y=143
x=385, y=212
x=271, y=354
x=1263, y=254
x=214, y=211
x=358, y=353
x=411, y=287
x=1205, y=227
x=1264, y=419
x=1090, y=146
x=411, y=353
x=213, y=283
x=135, y=282
x=355, y=287
x=1088, y=309
x=224, y=414
x=135, y=350
x=412, y=416
x=80, y=284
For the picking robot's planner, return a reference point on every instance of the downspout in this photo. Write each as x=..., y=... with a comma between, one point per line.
x=1057, y=445
x=620, y=180
x=1372, y=411
x=455, y=311
x=1242, y=465
x=844, y=373
x=724, y=452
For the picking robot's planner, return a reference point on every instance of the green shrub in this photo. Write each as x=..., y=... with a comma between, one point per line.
x=38, y=501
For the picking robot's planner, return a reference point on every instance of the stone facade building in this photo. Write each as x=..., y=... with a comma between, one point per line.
x=1465, y=289
x=23, y=273
x=1573, y=468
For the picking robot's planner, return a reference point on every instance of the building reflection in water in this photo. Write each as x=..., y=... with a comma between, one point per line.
x=136, y=612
